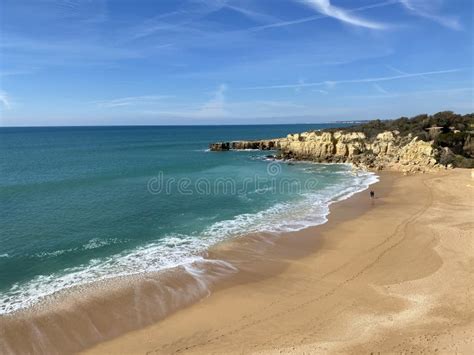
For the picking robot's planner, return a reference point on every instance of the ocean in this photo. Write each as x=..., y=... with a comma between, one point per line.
x=82, y=204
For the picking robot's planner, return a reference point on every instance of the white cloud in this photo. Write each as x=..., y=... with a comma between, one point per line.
x=190, y=13
x=428, y=9
x=220, y=108
x=332, y=83
x=212, y=6
x=396, y=70
x=319, y=17
x=253, y=15
x=15, y=72
x=216, y=106
x=4, y=100
x=413, y=93
x=380, y=89
x=276, y=104
x=325, y=7
x=321, y=91
x=132, y=101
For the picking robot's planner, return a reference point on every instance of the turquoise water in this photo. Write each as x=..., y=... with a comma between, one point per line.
x=83, y=204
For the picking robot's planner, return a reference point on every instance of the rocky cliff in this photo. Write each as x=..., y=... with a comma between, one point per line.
x=269, y=144
x=387, y=150
x=421, y=143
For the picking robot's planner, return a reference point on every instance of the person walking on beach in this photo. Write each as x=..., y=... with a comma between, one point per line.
x=372, y=194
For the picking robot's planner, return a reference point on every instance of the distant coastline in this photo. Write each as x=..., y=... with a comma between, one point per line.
x=419, y=144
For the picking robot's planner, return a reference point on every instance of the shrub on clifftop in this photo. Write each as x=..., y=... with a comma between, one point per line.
x=447, y=129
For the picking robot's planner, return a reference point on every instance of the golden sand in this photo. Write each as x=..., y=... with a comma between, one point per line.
x=395, y=274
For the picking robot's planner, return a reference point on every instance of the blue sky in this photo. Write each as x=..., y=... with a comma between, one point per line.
x=100, y=62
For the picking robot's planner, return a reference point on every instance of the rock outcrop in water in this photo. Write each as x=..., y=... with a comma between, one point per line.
x=269, y=144
x=382, y=149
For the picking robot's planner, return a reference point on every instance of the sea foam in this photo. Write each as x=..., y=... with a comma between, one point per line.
x=185, y=250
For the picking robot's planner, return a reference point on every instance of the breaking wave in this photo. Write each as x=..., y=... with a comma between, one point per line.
x=185, y=250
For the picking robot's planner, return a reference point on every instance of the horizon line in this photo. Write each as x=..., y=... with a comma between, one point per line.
x=191, y=125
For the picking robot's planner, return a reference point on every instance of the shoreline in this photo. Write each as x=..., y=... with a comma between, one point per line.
x=373, y=278
x=162, y=255
x=247, y=262
x=89, y=307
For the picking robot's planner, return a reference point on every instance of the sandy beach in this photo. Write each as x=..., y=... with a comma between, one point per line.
x=390, y=275
x=236, y=177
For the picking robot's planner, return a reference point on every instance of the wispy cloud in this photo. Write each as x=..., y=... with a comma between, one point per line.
x=175, y=21
x=212, y=6
x=221, y=109
x=191, y=14
x=319, y=17
x=427, y=9
x=321, y=91
x=15, y=72
x=215, y=107
x=256, y=16
x=399, y=71
x=380, y=89
x=132, y=101
x=413, y=93
x=278, y=104
x=37, y=52
x=325, y=7
x=5, y=100
x=396, y=70
x=332, y=83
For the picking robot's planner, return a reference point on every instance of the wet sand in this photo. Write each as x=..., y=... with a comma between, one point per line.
x=391, y=275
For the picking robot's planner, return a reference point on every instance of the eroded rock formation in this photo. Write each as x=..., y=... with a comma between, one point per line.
x=387, y=150
x=269, y=144
x=421, y=143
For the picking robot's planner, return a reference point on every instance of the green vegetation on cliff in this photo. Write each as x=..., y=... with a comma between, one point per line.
x=451, y=134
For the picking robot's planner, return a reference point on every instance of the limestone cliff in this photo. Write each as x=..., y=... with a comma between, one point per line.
x=421, y=143
x=387, y=150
